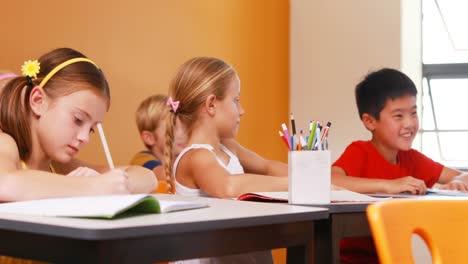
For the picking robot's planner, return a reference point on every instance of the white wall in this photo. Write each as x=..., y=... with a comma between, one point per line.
x=334, y=44
x=411, y=48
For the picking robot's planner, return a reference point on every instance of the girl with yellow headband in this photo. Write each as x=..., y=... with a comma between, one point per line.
x=46, y=117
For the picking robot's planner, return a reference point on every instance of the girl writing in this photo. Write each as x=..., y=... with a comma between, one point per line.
x=46, y=117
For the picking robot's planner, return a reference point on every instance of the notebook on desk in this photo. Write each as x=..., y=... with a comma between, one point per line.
x=445, y=192
x=106, y=207
x=337, y=196
x=429, y=192
x=395, y=195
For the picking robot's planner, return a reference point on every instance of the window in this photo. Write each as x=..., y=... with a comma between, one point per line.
x=444, y=114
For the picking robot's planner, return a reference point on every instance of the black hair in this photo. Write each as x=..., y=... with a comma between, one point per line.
x=377, y=87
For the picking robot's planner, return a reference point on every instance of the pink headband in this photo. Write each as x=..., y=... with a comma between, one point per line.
x=7, y=75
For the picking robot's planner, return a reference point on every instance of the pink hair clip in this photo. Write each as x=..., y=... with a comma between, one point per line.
x=172, y=104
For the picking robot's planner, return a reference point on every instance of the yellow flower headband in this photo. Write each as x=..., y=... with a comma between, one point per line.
x=31, y=68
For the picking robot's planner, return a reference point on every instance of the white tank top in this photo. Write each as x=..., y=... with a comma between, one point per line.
x=233, y=167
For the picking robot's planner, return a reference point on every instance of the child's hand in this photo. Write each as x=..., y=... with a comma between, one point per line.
x=406, y=184
x=336, y=187
x=83, y=171
x=112, y=182
x=455, y=185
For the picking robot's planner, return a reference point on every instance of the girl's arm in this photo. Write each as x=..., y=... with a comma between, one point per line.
x=254, y=163
x=141, y=180
x=17, y=184
x=65, y=168
x=199, y=169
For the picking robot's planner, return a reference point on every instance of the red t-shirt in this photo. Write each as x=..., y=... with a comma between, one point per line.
x=361, y=159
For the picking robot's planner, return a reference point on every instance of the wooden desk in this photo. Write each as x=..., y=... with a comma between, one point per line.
x=226, y=227
x=345, y=220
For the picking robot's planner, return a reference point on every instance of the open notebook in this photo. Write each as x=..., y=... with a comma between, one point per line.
x=337, y=196
x=98, y=206
x=429, y=194
x=445, y=192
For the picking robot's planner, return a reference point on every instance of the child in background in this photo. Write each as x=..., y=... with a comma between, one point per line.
x=150, y=119
x=204, y=97
x=150, y=116
x=386, y=101
x=46, y=117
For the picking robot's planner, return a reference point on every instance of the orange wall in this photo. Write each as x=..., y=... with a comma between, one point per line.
x=140, y=44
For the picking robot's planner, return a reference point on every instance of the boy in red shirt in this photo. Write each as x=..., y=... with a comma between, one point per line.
x=386, y=101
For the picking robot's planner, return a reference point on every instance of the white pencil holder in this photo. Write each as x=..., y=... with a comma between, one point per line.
x=309, y=174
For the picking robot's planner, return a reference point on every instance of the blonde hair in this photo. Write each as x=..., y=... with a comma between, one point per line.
x=151, y=112
x=195, y=80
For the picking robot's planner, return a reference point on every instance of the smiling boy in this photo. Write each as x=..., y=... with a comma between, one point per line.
x=386, y=101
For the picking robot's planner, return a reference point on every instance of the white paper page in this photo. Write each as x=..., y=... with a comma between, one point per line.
x=445, y=192
x=171, y=206
x=350, y=196
x=87, y=206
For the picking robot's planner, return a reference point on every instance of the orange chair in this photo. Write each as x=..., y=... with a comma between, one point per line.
x=162, y=187
x=442, y=224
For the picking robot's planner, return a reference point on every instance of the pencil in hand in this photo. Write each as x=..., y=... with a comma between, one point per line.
x=105, y=146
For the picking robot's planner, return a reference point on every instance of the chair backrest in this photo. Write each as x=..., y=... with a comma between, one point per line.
x=442, y=224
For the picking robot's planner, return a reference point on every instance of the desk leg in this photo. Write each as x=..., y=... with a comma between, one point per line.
x=300, y=254
x=329, y=232
x=323, y=242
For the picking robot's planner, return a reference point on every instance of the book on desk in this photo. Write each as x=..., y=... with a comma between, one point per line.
x=430, y=192
x=106, y=207
x=337, y=196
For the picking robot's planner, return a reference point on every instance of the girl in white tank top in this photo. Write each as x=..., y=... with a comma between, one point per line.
x=234, y=167
x=204, y=100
